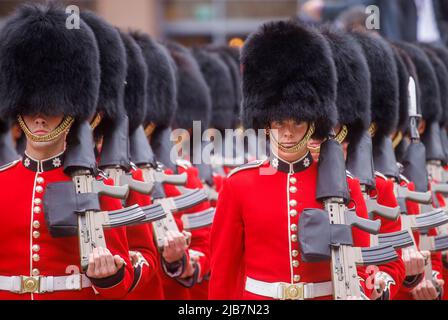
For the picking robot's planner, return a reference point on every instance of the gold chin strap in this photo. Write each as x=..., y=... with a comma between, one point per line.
x=96, y=121
x=299, y=145
x=397, y=139
x=63, y=127
x=342, y=134
x=372, y=130
x=150, y=129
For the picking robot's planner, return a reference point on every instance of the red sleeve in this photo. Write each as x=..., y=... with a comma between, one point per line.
x=396, y=269
x=360, y=237
x=227, y=247
x=141, y=239
x=118, y=245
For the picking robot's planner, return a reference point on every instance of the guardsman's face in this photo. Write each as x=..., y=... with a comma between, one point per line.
x=41, y=125
x=289, y=133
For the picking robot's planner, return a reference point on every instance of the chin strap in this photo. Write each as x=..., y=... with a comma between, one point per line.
x=299, y=145
x=62, y=128
x=397, y=139
x=372, y=130
x=96, y=121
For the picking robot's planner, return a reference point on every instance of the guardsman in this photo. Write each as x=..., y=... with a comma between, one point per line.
x=354, y=111
x=219, y=80
x=146, y=259
x=289, y=90
x=49, y=80
x=8, y=152
x=431, y=113
x=115, y=73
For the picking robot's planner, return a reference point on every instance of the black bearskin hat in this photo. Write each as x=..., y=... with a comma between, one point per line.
x=219, y=81
x=429, y=87
x=161, y=85
x=442, y=77
x=353, y=95
x=45, y=67
x=288, y=73
x=193, y=95
x=113, y=67
x=384, y=81
x=136, y=81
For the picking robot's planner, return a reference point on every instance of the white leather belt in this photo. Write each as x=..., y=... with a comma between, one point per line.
x=287, y=291
x=41, y=284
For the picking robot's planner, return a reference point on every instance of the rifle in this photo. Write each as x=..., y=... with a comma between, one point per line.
x=423, y=223
x=142, y=155
x=80, y=164
x=332, y=189
x=360, y=164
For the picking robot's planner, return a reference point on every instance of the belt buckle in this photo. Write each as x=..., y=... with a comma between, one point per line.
x=293, y=291
x=29, y=284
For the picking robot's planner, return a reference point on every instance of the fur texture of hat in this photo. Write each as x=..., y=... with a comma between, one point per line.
x=403, y=81
x=45, y=67
x=227, y=55
x=136, y=82
x=353, y=95
x=113, y=67
x=384, y=82
x=288, y=73
x=429, y=87
x=218, y=78
x=442, y=78
x=161, y=85
x=193, y=95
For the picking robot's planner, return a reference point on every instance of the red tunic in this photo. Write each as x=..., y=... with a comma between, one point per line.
x=175, y=290
x=254, y=223
x=413, y=208
x=147, y=281
x=24, y=233
x=386, y=197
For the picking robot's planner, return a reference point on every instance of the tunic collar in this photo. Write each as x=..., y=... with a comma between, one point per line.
x=291, y=167
x=43, y=165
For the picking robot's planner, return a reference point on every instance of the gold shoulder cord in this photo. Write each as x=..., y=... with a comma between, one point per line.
x=96, y=121
x=298, y=146
x=56, y=133
x=397, y=139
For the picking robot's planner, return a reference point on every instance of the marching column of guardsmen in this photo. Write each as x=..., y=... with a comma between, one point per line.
x=103, y=203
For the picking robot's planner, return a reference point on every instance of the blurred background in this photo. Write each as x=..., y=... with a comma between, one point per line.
x=196, y=22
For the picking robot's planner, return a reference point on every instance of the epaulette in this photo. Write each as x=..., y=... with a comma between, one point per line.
x=247, y=166
x=349, y=174
x=380, y=175
x=9, y=165
x=183, y=163
x=403, y=178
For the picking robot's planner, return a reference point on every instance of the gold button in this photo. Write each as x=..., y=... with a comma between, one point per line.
x=36, y=257
x=293, y=203
x=35, y=272
x=294, y=238
x=40, y=180
x=293, y=212
x=295, y=253
x=296, y=278
x=37, y=210
x=36, y=234
x=37, y=201
x=36, y=248
x=36, y=224
x=293, y=180
x=293, y=189
x=293, y=227
x=295, y=263
x=39, y=189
